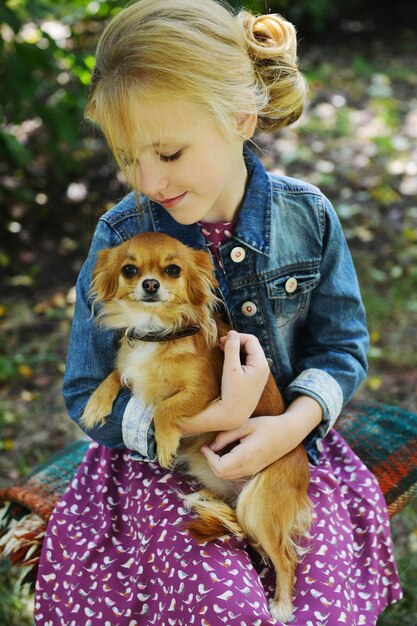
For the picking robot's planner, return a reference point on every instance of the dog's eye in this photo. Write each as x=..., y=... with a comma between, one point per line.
x=173, y=270
x=129, y=271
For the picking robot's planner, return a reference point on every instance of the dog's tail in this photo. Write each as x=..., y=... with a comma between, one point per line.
x=215, y=517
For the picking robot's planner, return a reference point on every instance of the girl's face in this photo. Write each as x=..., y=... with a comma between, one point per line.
x=183, y=162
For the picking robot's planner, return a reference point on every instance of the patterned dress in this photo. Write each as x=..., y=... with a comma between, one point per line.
x=117, y=552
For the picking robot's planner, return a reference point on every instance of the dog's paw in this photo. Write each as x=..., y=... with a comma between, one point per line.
x=166, y=456
x=167, y=443
x=91, y=418
x=281, y=610
x=166, y=461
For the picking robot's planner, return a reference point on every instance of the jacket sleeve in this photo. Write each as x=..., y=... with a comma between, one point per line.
x=91, y=351
x=91, y=357
x=334, y=342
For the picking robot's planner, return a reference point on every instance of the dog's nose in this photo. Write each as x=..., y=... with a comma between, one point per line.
x=150, y=285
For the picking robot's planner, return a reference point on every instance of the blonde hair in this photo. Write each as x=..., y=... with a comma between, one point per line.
x=196, y=51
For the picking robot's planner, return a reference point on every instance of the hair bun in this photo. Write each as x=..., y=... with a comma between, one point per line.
x=268, y=34
x=271, y=43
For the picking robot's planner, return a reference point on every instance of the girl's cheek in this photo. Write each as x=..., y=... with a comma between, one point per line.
x=133, y=178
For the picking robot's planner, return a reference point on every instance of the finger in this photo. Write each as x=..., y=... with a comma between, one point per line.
x=235, y=343
x=231, y=347
x=212, y=459
x=226, y=467
x=254, y=354
x=227, y=437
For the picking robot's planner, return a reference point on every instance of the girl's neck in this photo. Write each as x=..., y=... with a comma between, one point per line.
x=240, y=189
x=230, y=201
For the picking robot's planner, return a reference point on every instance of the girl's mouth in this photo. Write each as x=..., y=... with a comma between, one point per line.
x=171, y=202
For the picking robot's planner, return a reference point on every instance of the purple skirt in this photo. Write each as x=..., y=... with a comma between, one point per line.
x=116, y=552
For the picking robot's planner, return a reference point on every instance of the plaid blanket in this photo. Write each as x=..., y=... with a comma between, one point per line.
x=383, y=436
x=28, y=506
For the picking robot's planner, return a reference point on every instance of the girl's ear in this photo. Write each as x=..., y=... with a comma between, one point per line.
x=246, y=124
x=106, y=275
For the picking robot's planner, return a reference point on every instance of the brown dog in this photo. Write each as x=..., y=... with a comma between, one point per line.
x=161, y=294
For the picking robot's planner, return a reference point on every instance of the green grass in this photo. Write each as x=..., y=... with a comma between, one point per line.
x=16, y=604
x=404, y=527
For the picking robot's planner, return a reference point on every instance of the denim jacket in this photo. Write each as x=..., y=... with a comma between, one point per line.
x=288, y=278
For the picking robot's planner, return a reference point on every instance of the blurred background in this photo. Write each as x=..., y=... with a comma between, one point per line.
x=357, y=141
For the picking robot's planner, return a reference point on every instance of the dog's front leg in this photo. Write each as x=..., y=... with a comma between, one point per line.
x=167, y=418
x=101, y=402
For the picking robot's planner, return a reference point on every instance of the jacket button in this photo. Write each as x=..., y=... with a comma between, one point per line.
x=249, y=309
x=291, y=285
x=237, y=254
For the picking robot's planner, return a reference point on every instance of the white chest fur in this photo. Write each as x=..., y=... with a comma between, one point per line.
x=134, y=365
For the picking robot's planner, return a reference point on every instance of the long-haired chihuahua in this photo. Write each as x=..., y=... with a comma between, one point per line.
x=160, y=295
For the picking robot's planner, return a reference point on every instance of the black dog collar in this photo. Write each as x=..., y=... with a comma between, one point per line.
x=132, y=335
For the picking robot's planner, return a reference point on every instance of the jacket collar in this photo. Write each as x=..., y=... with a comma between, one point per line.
x=253, y=228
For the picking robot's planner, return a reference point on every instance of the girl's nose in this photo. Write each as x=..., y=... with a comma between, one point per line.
x=152, y=181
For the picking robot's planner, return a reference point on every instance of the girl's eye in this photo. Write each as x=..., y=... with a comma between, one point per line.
x=173, y=270
x=129, y=271
x=170, y=157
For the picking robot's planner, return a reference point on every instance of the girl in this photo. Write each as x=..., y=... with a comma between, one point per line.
x=178, y=89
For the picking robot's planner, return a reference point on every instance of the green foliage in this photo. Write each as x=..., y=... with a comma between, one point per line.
x=46, y=56
x=313, y=19
x=15, y=604
x=314, y=15
x=317, y=14
x=405, y=542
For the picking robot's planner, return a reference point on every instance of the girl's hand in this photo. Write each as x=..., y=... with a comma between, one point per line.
x=241, y=387
x=242, y=383
x=262, y=440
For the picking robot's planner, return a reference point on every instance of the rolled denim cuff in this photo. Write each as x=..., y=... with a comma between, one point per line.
x=138, y=430
x=321, y=386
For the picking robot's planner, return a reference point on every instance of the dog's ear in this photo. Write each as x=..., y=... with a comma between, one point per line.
x=106, y=275
x=202, y=283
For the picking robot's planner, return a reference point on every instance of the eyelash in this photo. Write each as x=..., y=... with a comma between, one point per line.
x=170, y=157
x=126, y=162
